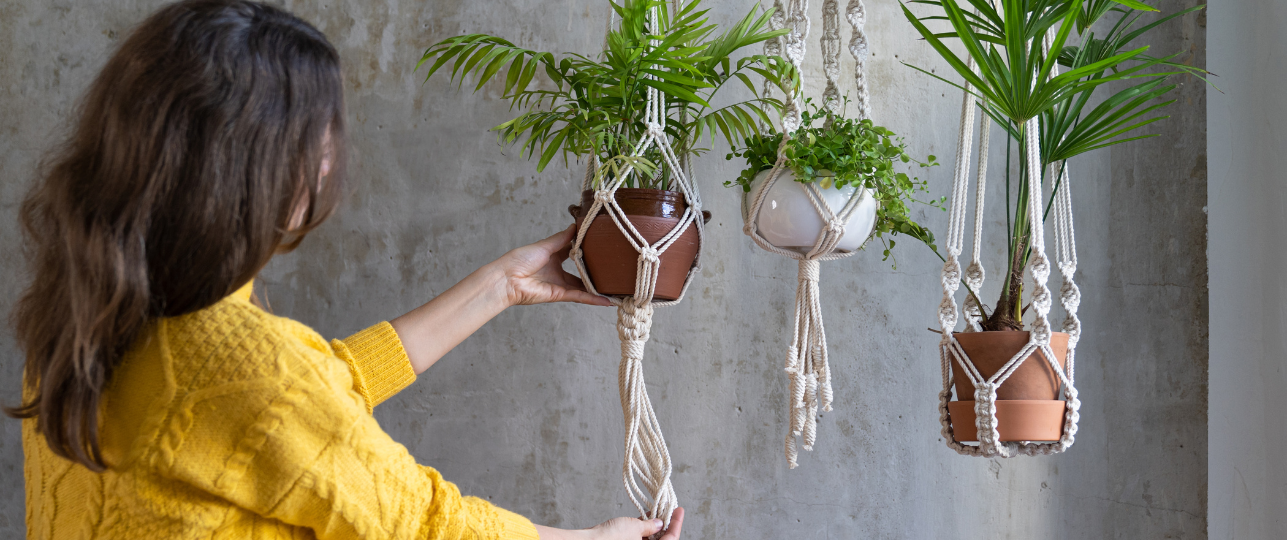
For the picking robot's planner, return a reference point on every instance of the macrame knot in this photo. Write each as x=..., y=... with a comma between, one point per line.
x=650, y=255
x=655, y=130
x=634, y=320
x=951, y=270
x=1041, y=332
x=1070, y=295
x=790, y=118
x=809, y=269
x=984, y=393
x=795, y=49
x=1040, y=266
x=947, y=312
x=603, y=196
x=1068, y=269
x=974, y=273
x=836, y=227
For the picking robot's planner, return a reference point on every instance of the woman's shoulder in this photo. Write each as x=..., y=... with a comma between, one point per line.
x=202, y=388
x=234, y=340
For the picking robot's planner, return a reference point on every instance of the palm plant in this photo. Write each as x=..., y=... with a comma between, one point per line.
x=594, y=107
x=1016, y=81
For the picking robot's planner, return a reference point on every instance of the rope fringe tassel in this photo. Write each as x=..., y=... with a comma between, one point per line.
x=807, y=368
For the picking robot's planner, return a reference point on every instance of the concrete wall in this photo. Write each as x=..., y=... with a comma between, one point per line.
x=525, y=413
x=1248, y=491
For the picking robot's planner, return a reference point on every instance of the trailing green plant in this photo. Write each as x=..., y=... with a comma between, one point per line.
x=595, y=107
x=837, y=151
x=1016, y=81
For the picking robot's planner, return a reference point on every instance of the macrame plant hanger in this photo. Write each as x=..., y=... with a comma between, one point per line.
x=952, y=355
x=808, y=372
x=647, y=468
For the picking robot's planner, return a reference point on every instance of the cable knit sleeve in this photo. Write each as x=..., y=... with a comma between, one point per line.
x=306, y=452
x=377, y=361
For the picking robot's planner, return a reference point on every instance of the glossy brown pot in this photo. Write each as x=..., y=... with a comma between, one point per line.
x=1029, y=397
x=610, y=260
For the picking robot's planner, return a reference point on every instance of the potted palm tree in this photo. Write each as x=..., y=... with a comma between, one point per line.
x=593, y=108
x=1018, y=47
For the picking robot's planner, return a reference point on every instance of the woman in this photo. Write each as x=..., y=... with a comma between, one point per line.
x=159, y=401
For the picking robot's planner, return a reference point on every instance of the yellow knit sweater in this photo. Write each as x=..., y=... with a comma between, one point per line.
x=230, y=423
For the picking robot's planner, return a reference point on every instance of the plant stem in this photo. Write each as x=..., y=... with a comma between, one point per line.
x=1058, y=180
x=1007, y=313
x=1009, y=142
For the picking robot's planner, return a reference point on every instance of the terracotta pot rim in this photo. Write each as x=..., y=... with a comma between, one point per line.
x=675, y=199
x=641, y=191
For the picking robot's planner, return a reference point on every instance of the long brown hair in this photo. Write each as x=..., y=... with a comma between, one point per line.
x=194, y=149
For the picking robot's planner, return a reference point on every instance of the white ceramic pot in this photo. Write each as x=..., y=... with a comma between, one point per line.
x=788, y=219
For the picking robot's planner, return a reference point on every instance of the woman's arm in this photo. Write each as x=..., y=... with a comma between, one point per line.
x=528, y=275
x=308, y=453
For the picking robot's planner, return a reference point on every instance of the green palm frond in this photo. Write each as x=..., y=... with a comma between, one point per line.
x=574, y=105
x=1016, y=80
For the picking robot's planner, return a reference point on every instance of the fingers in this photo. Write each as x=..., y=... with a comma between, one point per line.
x=582, y=297
x=676, y=523
x=574, y=291
x=624, y=528
x=570, y=281
x=561, y=255
x=647, y=527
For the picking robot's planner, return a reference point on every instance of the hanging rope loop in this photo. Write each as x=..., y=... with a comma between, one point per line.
x=951, y=355
x=646, y=468
x=809, y=374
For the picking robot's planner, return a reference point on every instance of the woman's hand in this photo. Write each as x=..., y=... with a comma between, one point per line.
x=622, y=528
x=534, y=274
x=527, y=275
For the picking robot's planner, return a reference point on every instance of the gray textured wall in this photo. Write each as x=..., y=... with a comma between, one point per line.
x=1248, y=491
x=525, y=413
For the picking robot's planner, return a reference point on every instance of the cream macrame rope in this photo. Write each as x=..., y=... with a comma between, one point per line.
x=856, y=14
x=807, y=368
x=985, y=393
x=647, y=466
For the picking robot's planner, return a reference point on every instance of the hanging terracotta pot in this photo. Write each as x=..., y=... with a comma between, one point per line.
x=788, y=219
x=1028, y=408
x=610, y=259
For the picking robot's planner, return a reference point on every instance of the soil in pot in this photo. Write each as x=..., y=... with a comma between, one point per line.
x=1029, y=397
x=610, y=260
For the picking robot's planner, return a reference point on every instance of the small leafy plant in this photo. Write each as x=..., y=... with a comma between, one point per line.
x=596, y=106
x=843, y=152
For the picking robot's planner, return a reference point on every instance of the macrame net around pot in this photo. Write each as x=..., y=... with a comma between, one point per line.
x=1024, y=416
x=610, y=220
x=844, y=220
